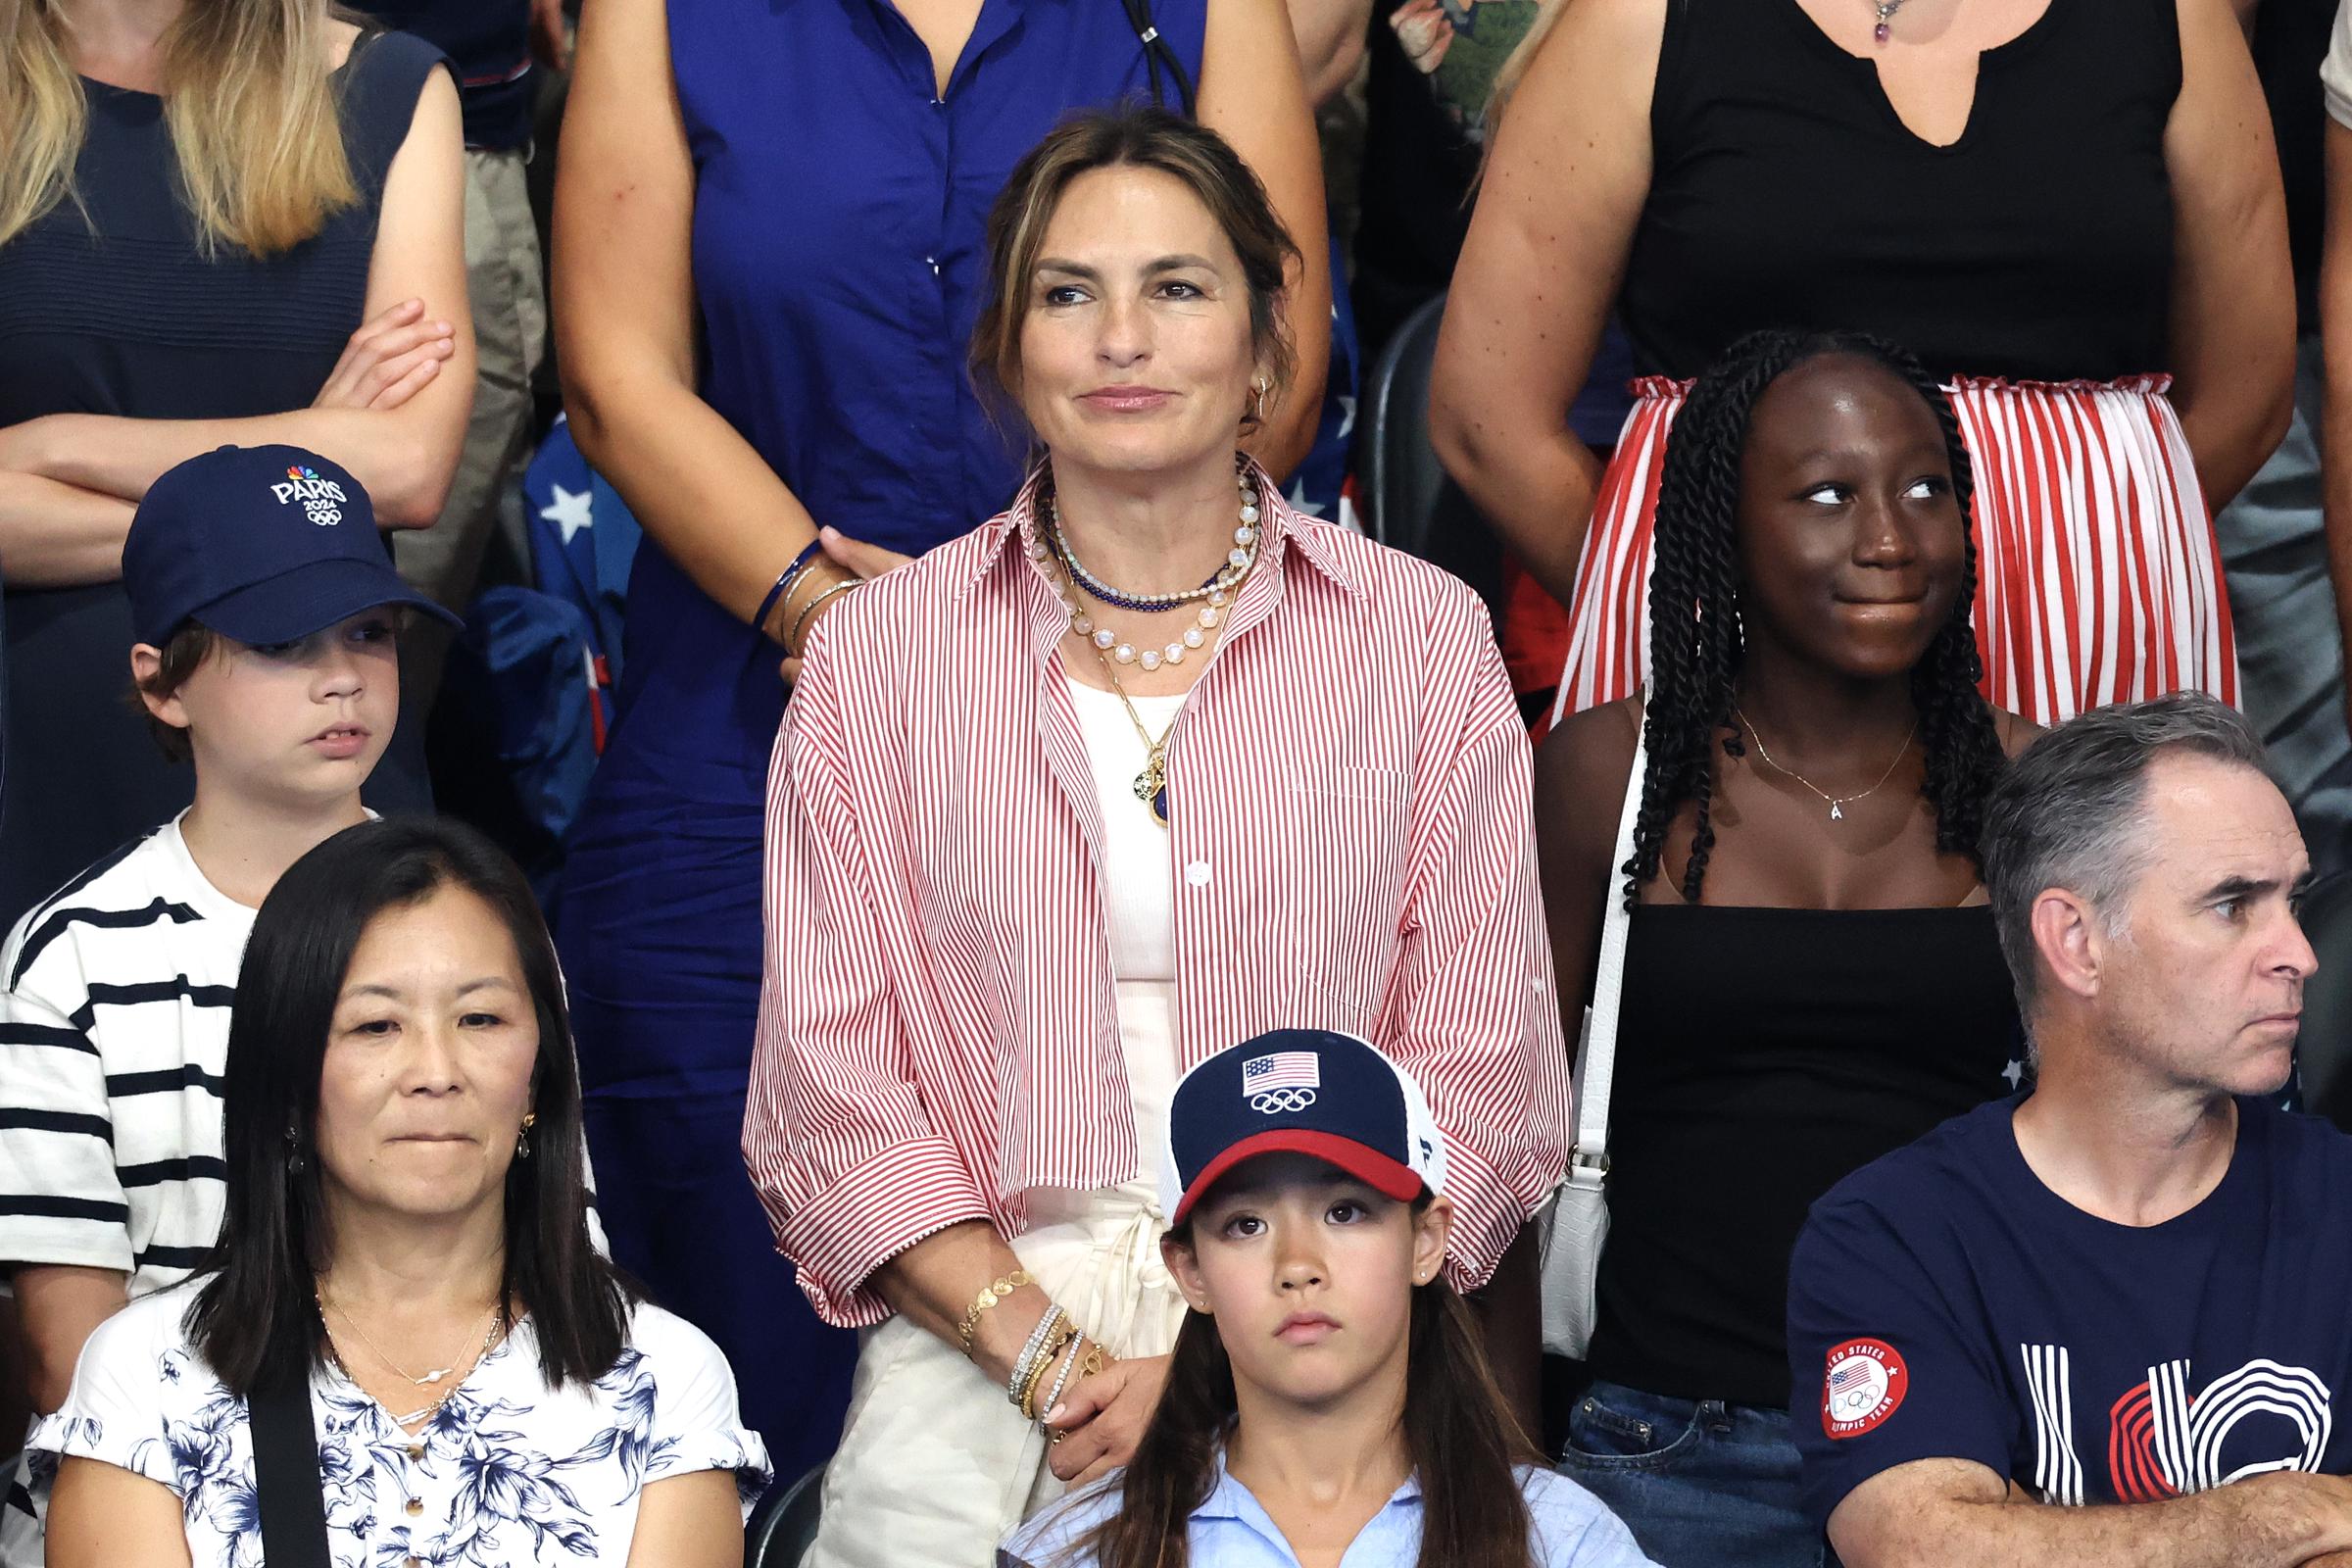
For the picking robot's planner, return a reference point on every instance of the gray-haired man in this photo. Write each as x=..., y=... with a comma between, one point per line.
x=2130, y=1285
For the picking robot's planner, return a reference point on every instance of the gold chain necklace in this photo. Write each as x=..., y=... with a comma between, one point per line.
x=489, y=1329
x=1836, y=802
x=1151, y=784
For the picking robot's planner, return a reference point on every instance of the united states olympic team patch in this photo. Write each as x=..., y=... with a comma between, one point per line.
x=1865, y=1384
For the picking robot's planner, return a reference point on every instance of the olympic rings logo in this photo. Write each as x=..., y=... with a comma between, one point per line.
x=1276, y=1100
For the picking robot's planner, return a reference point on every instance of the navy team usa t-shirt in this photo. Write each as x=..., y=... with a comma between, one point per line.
x=1943, y=1303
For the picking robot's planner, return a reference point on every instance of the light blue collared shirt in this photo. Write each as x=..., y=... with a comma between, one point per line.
x=1232, y=1530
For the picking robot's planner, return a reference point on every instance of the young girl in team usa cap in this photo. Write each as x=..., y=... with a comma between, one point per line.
x=1327, y=1398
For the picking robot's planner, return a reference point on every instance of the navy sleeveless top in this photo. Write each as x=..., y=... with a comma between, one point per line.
x=1787, y=192
x=837, y=267
x=122, y=314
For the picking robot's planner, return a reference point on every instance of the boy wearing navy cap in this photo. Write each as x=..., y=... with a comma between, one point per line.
x=266, y=612
x=1327, y=1397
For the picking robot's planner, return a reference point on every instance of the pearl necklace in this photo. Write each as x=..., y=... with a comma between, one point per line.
x=1217, y=592
x=1151, y=784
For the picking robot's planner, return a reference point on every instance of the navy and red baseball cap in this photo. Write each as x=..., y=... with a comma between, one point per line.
x=1306, y=1092
x=264, y=544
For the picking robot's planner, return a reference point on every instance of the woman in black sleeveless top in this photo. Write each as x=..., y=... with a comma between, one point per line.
x=2058, y=204
x=176, y=282
x=1811, y=977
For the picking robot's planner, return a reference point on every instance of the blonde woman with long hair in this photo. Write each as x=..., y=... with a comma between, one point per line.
x=220, y=221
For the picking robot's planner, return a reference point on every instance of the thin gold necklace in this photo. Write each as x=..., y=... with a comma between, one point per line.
x=489, y=1329
x=1151, y=784
x=1836, y=802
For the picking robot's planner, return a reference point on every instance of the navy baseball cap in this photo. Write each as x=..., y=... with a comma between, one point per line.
x=263, y=544
x=1306, y=1092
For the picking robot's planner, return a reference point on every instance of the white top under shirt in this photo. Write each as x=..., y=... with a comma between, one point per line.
x=506, y=1473
x=1139, y=886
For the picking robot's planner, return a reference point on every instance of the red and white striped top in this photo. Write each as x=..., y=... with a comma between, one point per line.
x=1351, y=849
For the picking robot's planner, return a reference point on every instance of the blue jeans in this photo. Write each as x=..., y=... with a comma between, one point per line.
x=1701, y=1483
x=2290, y=654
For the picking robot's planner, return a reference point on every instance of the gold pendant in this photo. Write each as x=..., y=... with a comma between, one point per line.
x=1152, y=785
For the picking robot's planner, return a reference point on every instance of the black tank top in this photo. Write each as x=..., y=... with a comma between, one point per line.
x=1765, y=1055
x=1787, y=192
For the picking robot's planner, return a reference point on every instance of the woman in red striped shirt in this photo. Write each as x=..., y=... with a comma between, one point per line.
x=1048, y=823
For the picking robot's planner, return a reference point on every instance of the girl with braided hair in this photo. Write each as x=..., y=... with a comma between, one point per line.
x=1811, y=975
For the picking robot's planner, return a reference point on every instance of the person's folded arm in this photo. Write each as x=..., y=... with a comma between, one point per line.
x=56, y=535
x=1540, y=269
x=1955, y=1513
x=406, y=455
x=2232, y=315
x=623, y=302
x=1253, y=95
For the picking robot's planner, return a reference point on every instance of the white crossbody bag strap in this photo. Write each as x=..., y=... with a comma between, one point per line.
x=1596, y=1061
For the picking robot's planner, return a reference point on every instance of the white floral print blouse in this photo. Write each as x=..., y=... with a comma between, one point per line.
x=508, y=1473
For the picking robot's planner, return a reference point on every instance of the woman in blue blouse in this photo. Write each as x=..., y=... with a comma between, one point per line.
x=768, y=267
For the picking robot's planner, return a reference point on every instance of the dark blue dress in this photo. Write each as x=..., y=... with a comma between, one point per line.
x=134, y=320
x=839, y=209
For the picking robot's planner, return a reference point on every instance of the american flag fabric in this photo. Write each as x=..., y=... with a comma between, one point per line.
x=2099, y=576
x=1351, y=849
x=1854, y=1372
x=1283, y=1070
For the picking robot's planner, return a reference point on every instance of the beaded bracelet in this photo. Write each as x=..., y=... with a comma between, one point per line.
x=1026, y=1362
x=992, y=1295
x=1026, y=1400
x=784, y=581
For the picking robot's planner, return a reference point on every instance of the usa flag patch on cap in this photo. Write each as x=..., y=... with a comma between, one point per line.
x=1282, y=1069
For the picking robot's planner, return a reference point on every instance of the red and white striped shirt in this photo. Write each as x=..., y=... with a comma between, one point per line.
x=1350, y=848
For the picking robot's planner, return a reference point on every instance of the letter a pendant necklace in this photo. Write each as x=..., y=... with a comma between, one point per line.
x=1838, y=803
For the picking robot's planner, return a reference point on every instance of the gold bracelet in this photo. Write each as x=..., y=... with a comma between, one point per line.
x=1050, y=1354
x=994, y=1295
x=792, y=638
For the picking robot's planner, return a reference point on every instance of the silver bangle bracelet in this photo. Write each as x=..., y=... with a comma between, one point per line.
x=1061, y=1379
x=1026, y=1362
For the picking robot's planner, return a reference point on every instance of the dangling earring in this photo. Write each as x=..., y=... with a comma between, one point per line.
x=522, y=1139
x=296, y=1161
x=1262, y=386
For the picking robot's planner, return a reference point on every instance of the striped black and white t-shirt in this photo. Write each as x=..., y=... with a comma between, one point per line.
x=113, y=1029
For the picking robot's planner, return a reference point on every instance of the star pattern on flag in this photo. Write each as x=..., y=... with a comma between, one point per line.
x=569, y=512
